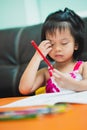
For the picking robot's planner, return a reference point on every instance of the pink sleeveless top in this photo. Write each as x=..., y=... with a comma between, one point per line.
x=51, y=85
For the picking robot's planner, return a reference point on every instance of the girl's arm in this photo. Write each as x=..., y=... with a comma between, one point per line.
x=70, y=83
x=32, y=78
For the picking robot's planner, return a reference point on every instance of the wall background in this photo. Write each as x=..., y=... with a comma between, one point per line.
x=15, y=13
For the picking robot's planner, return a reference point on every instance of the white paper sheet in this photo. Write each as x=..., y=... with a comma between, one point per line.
x=50, y=99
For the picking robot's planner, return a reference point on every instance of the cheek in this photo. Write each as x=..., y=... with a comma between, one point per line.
x=71, y=47
x=51, y=52
x=69, y=50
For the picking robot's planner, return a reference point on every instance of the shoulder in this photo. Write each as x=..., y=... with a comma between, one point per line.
x=85, y=62
x=84, y=69
x=44, y=72
x=84, y=65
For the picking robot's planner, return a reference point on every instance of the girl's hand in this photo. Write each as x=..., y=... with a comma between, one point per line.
x=63, y=80
x=45, y=48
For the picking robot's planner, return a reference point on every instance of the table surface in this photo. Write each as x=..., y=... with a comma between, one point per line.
x=73, y=119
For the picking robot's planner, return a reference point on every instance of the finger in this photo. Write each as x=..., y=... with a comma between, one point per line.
x=57, y=72
x=45, y=45
x=48, y=45
x=56, y=75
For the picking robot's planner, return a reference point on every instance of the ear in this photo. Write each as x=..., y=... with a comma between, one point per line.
x=76, y=46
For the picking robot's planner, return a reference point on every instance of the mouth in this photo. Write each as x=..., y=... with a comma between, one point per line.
x=58, y=56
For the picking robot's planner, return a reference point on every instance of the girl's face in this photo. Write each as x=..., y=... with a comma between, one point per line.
x=63, y=45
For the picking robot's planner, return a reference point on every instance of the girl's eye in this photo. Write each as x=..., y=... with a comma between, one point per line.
x=64, y=43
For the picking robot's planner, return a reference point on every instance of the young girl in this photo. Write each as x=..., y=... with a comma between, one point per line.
x=63, y=42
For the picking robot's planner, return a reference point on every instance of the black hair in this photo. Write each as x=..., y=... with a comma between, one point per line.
x=63, y=19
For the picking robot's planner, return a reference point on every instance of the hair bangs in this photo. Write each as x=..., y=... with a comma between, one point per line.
x=51, y=27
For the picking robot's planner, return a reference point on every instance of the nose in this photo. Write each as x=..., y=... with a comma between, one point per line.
x=57, y=48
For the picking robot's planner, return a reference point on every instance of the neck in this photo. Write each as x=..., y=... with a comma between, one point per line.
x=64, y=66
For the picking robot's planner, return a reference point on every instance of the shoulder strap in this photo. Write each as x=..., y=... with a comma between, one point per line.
x=77, y=65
